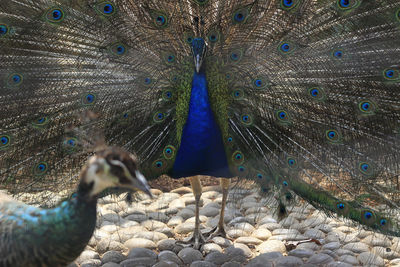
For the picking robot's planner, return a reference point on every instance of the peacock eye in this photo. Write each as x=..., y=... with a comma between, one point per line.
x=88, y=99
x=160, y=20
x=391, y=74
x=367, y=107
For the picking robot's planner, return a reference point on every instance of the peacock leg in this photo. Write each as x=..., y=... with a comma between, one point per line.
x=220, y=229
x=197, y=239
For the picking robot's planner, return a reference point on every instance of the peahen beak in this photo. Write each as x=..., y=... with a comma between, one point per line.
x=141, y=183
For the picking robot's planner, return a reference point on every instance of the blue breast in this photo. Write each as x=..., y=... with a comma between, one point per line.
x=201, y=151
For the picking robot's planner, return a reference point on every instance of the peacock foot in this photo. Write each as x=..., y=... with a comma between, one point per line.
x=196, y=240
x=217, y=231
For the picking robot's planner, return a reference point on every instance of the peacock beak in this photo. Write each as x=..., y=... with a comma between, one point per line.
x=198, y=60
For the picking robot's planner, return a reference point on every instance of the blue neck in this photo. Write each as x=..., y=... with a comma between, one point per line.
x=201, y=151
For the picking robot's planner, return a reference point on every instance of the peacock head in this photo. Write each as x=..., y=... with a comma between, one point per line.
x=199, y=49
x=112, y=167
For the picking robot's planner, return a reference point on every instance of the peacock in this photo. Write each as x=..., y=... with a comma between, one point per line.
x=299, y=97
x=31, y=236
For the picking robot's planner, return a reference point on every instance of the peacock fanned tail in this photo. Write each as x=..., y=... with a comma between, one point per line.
x=306, y=94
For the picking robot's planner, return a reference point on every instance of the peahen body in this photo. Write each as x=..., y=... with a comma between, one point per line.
x=31, y=236
x=300, y=96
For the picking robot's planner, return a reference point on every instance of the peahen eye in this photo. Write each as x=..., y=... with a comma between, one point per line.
x=3, y=29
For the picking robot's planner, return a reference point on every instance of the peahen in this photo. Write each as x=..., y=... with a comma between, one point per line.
x=300, y=96
x=31, y=236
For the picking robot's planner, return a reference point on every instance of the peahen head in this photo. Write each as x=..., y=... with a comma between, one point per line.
x=112, y=167
x=199, y=49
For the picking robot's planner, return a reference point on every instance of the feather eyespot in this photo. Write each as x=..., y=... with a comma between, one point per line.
x=55, y=15
x=368, y=217
x=338, y=54
x=366, y=169
x=40, y=168
x=238, y=94
x=260, y=82
x=286, y=48
x=292, y=163
x=118, y=49
x=347, y=4
x=238, y=157
x=4, y=141
x=15, y=79
x=260, y=176
x=169, y=152
x=340, y=206
x=88, y=99
x=70, y=143
x=40, y=122
x=246, y=119
x=159, y=165
x=106, y=8
x=240, y=15
x=391, y=74
x=367, y=107
x=316, y=93
x=333, y=136
x=160, y=19
x=282, y=116
x=289, y=4
x=167, y=95
x=398, y=15
x=213, y=36
x=3, y=30
x=158, y=117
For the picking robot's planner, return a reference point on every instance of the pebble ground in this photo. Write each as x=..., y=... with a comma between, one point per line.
x=144, y=233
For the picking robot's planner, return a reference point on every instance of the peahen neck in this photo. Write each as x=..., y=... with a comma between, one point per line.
x=201, y=151
x=65, y=230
